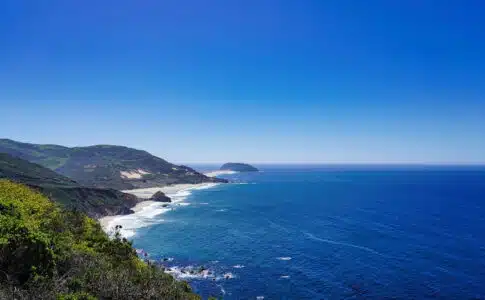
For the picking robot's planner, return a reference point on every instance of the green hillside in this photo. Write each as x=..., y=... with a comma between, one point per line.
x=50, y=253
x=105, y=166
x=95, y=202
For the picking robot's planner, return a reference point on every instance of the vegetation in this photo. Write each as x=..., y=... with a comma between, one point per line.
x=100, y=166
x=95, y=202
x=239, y=167
x=47, y=252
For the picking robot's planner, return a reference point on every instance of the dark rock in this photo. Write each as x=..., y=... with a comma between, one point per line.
x=160, y=197
x=239, y=167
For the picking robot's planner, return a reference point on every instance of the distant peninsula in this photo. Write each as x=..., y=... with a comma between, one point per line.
x=238, y=167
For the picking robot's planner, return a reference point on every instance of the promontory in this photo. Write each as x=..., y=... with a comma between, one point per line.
x=238, y=167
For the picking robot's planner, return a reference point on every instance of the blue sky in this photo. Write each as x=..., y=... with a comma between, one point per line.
x=254, y=80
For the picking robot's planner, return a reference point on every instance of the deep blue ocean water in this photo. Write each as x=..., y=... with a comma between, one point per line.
x=312, y=232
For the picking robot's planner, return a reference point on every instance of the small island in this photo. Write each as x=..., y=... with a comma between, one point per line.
x=238, y=167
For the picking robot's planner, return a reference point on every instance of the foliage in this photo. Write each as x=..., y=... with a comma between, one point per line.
x=94, y=201
x=239, y=167
x=50, y=253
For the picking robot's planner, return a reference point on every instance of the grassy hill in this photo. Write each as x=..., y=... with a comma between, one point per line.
x=105, y=166
x=50, y=253
x=95, y=202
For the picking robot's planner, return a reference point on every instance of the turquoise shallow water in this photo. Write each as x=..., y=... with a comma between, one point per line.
x=311, y=232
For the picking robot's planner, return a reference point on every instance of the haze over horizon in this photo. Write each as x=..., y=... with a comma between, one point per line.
x=253, y=81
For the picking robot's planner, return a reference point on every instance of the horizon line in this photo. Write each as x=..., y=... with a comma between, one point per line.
x=348, y=163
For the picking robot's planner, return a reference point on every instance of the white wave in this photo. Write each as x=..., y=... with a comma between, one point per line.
x=146, y=212
x=183, y=194
x=150, y=211
x=229, y=275
x=285, y=276
x=206, y=186
x=260, y=297
x=219, y=172
x=221, y=210
x=167, y=259
x=284, y=258
x=192, y=272
x=141, y=218
x=189, y=272
x=204, y=203
x=127, y=233
x=179, y=196
x=223, y=291
x=238, y=266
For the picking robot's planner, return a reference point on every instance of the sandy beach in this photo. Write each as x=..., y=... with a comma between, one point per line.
x=144, y=211
x=219, y=172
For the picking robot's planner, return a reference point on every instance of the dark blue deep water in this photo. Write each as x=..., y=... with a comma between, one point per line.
x=310, y=232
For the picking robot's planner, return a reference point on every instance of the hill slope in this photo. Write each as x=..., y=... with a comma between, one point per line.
x=95, y=202
x=106, y=166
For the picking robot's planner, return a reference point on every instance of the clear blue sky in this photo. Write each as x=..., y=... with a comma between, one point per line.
x=253, y=80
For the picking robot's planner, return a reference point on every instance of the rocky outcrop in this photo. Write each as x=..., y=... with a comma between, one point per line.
x=239, y=167
x=160, y=197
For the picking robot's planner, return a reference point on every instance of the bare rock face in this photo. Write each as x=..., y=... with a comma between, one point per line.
x=160, y=197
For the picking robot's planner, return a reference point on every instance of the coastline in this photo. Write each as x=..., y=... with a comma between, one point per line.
x=219, y=172
x=145, y=210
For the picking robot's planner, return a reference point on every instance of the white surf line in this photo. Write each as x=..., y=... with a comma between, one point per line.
x=219, y=172
x=147, y=212
x=284, y=258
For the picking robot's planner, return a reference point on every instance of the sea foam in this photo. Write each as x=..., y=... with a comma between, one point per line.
x=148, y=213
x=193, y=272
x=284, y=258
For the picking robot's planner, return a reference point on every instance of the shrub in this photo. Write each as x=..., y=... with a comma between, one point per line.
x=50, y=253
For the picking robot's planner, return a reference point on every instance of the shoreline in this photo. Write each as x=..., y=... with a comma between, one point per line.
x=219, y=172
x=146, y=210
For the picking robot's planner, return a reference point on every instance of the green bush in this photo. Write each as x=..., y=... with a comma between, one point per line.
x=76, y=296
x=50, y=253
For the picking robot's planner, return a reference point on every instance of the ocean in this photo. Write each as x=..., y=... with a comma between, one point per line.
x=334, y=232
